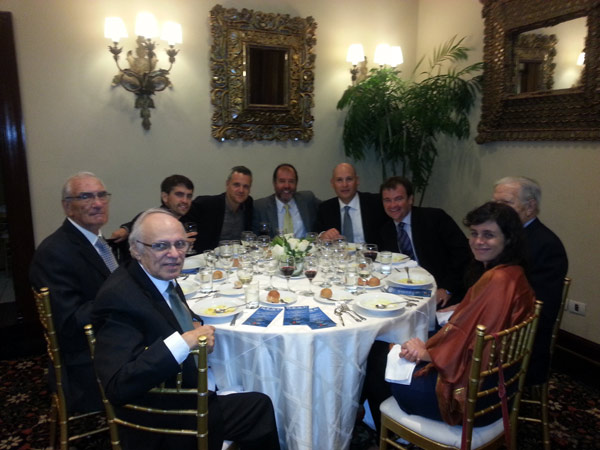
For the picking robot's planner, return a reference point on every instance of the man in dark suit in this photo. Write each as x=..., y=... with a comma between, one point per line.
x=427, y=235
x=70, y=264
x=145, y=330
x=286, y=210
x=355, y=215
x=548, y=265
x=223, y=216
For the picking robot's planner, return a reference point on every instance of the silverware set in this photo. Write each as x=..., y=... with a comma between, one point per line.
x=344, y=308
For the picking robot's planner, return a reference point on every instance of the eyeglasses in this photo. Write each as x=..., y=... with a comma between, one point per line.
x=164, y=246
x=89, y=197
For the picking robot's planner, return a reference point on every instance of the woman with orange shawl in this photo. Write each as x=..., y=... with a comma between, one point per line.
x=500, y=296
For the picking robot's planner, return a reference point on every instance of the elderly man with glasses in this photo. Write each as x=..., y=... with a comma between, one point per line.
x=72, y=263
x=145, y=330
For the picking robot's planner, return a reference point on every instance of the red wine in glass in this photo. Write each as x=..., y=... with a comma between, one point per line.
x=310, y=274
x=287, y=271
x=371, y=255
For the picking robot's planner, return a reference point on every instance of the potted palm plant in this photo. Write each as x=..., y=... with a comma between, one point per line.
x=401, y=120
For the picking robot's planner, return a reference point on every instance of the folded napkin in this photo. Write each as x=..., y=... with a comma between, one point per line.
x=398, y=370
x=408, y=263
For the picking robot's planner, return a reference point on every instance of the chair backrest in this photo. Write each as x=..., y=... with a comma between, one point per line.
x=42, y=302
x=565, y=293
x=200, y=392
x=510, y=349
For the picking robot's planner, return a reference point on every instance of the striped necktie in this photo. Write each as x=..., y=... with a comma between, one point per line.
x=288, y=224
x=106, y=254
x=404, y=244
x=347, y=229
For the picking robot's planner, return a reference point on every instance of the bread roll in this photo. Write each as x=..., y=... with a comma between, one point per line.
x=374, y=281
x=326, y=293
x=273, y=296
x=217, y=275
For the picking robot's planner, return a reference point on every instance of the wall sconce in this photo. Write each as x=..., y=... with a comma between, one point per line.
x=142, y=78
x=384, y=55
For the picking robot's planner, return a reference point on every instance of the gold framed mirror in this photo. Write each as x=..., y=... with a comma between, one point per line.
x=262, y=75
x=550, y=111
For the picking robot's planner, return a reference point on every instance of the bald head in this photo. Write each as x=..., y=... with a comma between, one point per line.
x=344, y=182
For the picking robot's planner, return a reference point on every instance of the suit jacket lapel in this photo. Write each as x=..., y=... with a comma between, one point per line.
x=272, y=214
x=86, y=248
x=304, y=213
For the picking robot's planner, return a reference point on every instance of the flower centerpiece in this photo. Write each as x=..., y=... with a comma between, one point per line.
x=287, y=244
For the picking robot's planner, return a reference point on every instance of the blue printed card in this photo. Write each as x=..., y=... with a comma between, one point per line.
x=318, y=319
x=262, y=317
x=295, y=315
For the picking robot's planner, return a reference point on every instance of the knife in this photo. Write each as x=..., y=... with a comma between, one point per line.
x=233, y=319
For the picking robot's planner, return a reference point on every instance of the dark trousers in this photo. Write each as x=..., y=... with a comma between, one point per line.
x=246, y=419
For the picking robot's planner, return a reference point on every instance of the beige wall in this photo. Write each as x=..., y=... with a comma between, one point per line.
x=75, y=121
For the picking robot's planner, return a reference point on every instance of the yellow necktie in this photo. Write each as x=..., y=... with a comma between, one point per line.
x=288, y=225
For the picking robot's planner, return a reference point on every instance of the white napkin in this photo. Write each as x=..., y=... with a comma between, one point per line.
x=443, y=317
x=398, y=370
x=408, y=263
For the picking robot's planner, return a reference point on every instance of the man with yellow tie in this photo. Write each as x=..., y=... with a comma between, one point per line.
x=286, y=211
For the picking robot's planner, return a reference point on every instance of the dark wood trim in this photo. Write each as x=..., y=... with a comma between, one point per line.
x=13, y=161
x=579, y=347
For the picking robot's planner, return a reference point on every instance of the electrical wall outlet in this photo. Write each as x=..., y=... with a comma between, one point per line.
x=576, y=307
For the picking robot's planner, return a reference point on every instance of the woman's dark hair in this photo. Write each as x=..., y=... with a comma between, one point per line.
x=514, y=239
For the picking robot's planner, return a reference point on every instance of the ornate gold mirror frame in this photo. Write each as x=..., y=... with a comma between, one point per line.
x=287, y=44
x=565, y=114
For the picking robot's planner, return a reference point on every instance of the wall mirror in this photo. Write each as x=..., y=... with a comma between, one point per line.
x=537, y=83
x=262, y=75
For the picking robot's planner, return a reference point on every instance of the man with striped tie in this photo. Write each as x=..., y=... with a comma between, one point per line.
x=72, y=263
x=427, y=235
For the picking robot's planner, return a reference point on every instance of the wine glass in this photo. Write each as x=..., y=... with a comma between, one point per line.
x=311, y=266
x=226, y=256
x=325, y=268
x=271, y=267
x=365, y=267
x=248, y=238
x=263, y=228
x=370, y=251
x=191, y=227
x=245, y=270
x=287, y=266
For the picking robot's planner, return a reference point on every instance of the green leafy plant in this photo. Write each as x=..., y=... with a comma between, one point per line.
x=400, y=120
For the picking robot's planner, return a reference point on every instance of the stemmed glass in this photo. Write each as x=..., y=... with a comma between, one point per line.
x=226, y=256
x=311, y=266
x=370, y=251
x=365, y=266
x=191, y=227
x=271, y=267
x=325, y=267
x=287, y=265
x=245, y=271
x=248, y=238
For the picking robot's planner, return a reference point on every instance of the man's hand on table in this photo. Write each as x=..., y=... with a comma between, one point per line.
x=332, y=233
x=442, y=297
x=191, y=337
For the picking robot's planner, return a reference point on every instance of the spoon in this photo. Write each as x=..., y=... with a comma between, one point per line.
x=354, y=314
x=409, y=280
x=385, y=305
x=338, y=312
x=222, y=310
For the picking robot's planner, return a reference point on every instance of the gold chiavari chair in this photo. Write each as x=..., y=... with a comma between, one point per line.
x=513, y=351
x=538, y=394
x=58, y=409
x=200, y=412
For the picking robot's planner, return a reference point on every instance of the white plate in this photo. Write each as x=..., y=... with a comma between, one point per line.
x=188, y=286
x=368, y=302
x=289, y=297
x=194, y=262
x=420, y=278
x=397, y=258
x=228, y=290
x=338, y=295
x=206, y=307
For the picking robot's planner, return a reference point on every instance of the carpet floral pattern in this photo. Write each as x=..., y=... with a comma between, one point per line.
x=25, y=401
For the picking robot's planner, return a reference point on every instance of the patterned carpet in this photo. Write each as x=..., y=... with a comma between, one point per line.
x=24, y=422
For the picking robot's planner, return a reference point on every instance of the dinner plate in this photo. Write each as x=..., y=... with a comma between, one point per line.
x=194, y=262
x=188, y=286
x=368, y=301
x=228, y=290
x=205, y=308
x=289, y=297
x=338, y=295
x=420, y=278
x=397, y=258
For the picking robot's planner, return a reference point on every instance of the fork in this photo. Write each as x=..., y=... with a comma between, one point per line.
x=338, y=312
x=356, y=316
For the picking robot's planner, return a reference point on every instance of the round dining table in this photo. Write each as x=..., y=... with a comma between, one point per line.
x=313, y=376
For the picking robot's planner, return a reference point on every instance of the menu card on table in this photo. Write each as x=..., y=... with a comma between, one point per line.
x=296, y=315
x=262, y=317
x=318, y=319
x=407, y=291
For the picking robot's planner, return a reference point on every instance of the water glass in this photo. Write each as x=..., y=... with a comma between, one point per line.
x=205, y=276
x=351, y=278
x=251, y=291
x=385, y=258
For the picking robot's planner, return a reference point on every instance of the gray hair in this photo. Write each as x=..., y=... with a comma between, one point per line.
x=529, y=189
x=239, y=169
x=67, y=190
x=136, y=232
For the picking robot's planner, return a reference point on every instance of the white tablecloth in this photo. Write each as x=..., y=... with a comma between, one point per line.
x=313, y=377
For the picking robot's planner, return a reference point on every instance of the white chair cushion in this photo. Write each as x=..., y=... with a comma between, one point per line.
x=440, y=431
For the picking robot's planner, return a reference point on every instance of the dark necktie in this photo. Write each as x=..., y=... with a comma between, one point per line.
x=347, y=229
x=404, y=244
x=180, y=311
x=106, y=254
